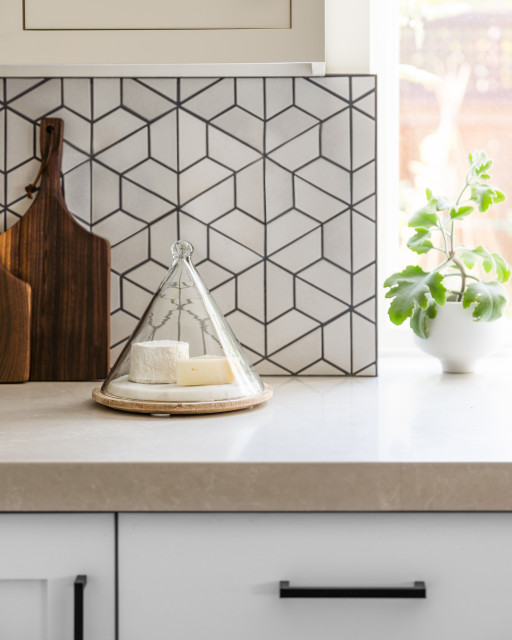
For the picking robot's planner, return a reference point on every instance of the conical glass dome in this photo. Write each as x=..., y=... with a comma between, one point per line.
x=182, y=350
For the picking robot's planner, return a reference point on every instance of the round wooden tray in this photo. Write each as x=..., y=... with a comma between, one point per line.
x=171, y=408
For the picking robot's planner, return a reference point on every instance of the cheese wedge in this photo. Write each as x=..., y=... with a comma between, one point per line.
x=204, y=370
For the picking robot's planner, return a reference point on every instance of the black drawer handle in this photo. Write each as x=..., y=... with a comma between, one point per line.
x=80, y=583
x=417, y=590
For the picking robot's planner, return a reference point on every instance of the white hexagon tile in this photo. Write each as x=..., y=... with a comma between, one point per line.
x=271, y=179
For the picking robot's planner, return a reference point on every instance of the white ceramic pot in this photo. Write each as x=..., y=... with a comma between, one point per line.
x=458, y=341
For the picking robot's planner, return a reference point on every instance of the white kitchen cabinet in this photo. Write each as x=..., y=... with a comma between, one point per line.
x=41, y=556
x=162, y=37
x=217, y=576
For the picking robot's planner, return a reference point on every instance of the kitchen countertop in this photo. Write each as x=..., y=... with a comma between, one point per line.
x=412, y=439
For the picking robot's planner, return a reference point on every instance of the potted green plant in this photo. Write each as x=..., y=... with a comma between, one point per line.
x=452, y=310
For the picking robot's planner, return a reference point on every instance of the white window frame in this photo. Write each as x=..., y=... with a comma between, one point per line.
x=384, y=30
x=384, y=60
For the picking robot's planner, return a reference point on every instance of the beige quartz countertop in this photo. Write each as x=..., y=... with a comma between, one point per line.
x=412, y=439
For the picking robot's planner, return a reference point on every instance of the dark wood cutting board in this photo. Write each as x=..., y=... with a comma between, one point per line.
x=68, y=269
x=14, y=328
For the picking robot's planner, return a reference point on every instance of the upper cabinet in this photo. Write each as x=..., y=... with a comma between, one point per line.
x=162, y=37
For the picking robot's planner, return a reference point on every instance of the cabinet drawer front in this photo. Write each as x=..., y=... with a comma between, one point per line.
x=217, y=576
x=41, y=556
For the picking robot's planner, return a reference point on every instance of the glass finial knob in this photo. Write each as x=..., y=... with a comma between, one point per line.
x=182, y=249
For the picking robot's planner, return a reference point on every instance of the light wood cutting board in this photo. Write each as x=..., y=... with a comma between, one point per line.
x=14, y=328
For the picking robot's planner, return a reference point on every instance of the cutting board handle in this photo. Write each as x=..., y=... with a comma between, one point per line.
x=51, y=138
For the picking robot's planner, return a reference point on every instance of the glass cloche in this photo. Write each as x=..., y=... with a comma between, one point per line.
x=182, y=350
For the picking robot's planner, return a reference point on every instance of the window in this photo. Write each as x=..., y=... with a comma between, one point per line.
x=450, y=79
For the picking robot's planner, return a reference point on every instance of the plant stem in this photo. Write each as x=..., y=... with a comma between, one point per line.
x=463, y=275
x=443, y=233
x=440, y=266
x=452, y=226
x=468, y=277
x=462, y=191
x=451, y=253
x=468, y=180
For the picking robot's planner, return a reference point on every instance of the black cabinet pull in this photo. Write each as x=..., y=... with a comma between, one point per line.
x=417, y=590
x=80, y=583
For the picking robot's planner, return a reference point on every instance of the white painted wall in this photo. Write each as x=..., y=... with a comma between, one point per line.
x=347, y=36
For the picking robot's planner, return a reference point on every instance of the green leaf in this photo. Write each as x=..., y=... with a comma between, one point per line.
x=479, y=162
x=502, y=268
x=489, y=260
x=424, y=218
x=485, y=195
x=420, y=316
x=482, y=195
x=500, y=196
x=442, y=203
x=420, y=241
x=489, y=300
x=411, y=286
x=457, y=212
x=470, y=256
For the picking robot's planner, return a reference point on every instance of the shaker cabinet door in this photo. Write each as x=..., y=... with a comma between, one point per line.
x=218, y=576
x=57, y=577
x=110, y=38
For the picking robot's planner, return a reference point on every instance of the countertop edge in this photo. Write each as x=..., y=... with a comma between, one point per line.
x=255, y=486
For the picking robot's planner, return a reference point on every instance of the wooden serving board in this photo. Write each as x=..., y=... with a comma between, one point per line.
x=173, y=408
x=68, y=269
x=14, y=328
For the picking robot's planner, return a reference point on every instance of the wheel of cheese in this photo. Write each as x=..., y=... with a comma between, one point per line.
x=154, y=362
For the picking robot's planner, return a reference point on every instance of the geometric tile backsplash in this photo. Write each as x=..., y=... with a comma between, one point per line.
x=271, y=179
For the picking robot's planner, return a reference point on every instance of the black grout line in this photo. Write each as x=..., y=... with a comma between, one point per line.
x=214, y=125
x=208, y=86
x=25, y=91
x=4, y=204
x=330, y=91
x=351, y=131
x=376, y=244
x=145, y=119
x=158, y=93
x=265, y=220
x=96, y=154
x=91, y=129
x=250, y=113
x=178, y=164
x=116, y=575
x=148, y=134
